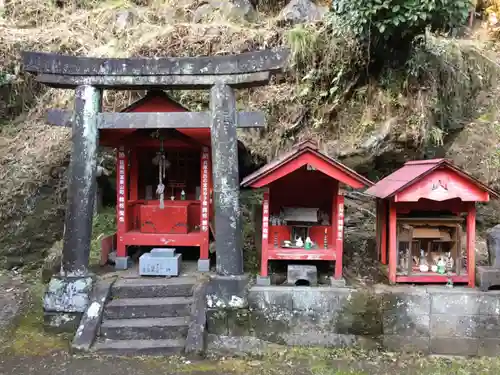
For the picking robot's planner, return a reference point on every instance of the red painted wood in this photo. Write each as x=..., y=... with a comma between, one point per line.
x=455, y=206
x=152, y=102
x=317, y=190
x=404, y=179
x=329, y=169
x=377, y=228
x=328, y=254
x=392, y=243
x=173, y=218
x=302, y=188
x=334, y=214
x=281, y=232
x=317, y=234
x=432, y=278
x=121, y=200
x=443, y=184
x=471, y=244
x=108, y=244
x=134, y=175
x=137, y=238
x=205, y=210
x=266, y=234
x=383, y=231
x=340, y=237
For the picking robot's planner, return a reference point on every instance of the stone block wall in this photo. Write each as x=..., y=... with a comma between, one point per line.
x=437, y=320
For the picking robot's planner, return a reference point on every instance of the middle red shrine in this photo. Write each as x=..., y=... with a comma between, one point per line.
x=303, y=207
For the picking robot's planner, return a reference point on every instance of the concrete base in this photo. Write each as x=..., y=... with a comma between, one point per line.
x=228, y=291
x=299, y=273
x=263, y=281
x=487, y=277
x=65, y=301
x=61, y=322
x=337, y=283
x=203, y=265
x=121, y=263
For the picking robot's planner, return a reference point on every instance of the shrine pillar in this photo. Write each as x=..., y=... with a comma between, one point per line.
x=68, y=293
x=82, y=184
x=229, y=254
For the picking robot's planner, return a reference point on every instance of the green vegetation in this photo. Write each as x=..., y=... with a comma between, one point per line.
x=389, y=20
x=104, y=224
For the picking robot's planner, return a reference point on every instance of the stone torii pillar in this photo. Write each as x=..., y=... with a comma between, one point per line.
x=226, y=181
x=68, y=291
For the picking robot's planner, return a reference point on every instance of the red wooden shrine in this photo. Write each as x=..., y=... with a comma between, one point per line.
x=420, y=217
x=184, y=217
x=303, y=178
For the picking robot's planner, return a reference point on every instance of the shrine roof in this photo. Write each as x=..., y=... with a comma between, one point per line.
x=415, y=171
x=156, y=101
x=151, y=97
x=300, y=155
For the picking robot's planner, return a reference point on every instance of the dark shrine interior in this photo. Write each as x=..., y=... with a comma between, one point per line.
x=184, y=169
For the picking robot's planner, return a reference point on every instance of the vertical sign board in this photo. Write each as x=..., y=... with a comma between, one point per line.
x=121, y=204
x=265, y=217
x=265, y=235
x=204, y=212
x=340, y=221
x=340, y=234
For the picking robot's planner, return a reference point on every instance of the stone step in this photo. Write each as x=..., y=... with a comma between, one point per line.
x=139, y=347
x=145, y=329
x=136, y=308
x=154, y=287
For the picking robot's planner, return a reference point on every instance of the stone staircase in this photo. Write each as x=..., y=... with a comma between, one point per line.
x=146, y=316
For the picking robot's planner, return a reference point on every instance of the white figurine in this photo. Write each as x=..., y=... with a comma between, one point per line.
x=299, y=242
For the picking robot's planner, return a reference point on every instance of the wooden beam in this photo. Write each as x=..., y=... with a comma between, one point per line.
x=156, y=120
x=249, y=62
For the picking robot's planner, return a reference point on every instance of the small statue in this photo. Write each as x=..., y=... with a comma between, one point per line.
x=449, y=261
x=441, y=266
x=299, y=242
x=403, y=260
x=308, y=243
x=423, y=266
x=324, y=218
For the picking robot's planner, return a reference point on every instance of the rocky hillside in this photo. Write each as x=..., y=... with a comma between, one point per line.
x=441, y=102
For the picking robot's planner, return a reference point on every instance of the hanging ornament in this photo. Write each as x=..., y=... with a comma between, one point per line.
x=161, y=161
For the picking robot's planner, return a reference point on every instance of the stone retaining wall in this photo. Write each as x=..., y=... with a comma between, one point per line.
x=437, y=320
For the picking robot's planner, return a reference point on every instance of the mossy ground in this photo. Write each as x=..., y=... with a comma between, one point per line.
x=317, y=361
x=27, y=337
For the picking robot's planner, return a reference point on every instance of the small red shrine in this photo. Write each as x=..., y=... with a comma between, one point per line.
x=420, y=210
x=164, y=182
x=304, y=219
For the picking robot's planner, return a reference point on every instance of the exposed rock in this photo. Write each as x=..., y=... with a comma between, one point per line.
x=234, y=10
x=12, y=293
x=493, y=241
x=299, y=11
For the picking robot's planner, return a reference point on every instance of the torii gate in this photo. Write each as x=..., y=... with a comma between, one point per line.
x=89, y=76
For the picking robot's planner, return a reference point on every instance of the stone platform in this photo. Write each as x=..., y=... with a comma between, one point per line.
x=431, y=320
